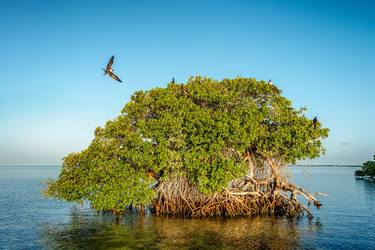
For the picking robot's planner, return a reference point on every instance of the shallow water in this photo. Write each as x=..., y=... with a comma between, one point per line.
x=28, y=221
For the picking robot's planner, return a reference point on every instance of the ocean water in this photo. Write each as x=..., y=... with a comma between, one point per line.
x=28, y=221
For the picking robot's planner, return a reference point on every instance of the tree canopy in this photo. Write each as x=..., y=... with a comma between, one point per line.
x=202, y=130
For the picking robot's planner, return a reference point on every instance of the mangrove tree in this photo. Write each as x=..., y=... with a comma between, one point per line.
x=200, y=148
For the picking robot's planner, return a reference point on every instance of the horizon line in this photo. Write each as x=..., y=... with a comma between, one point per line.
x=290, y=165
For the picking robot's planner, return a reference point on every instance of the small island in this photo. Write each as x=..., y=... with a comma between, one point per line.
x=201, y=148
x=367, y=171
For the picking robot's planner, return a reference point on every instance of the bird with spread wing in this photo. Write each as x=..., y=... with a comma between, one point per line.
x=108, y=70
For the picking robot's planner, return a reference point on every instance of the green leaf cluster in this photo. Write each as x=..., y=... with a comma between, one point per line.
x=201, y=129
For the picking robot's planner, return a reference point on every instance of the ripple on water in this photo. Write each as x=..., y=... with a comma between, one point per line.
x=28, y=221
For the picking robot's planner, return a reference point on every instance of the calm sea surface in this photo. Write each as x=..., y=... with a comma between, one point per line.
x=28, y=221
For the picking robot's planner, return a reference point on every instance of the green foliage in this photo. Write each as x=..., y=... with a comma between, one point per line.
x=200, y=129
x=369, y=167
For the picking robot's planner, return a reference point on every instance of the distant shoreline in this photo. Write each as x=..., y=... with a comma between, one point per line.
x=43, y=166
x=346, y=166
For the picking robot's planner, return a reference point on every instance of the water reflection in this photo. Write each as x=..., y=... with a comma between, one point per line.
x=87, y=230
x=28, y=221
x=366, y=185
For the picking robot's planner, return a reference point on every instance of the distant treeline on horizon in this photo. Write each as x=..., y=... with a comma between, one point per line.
x=321, y=165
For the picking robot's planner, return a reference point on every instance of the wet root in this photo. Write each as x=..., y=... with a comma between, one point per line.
x=247, y=197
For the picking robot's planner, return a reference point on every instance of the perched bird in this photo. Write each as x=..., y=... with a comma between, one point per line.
x=172, y=79
x=108, y=70
x=274, y=88
x=315, y=122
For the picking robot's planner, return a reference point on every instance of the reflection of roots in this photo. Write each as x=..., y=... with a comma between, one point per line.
x=249, y=196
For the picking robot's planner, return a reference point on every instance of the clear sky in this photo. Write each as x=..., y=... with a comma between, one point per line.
x=53, y=94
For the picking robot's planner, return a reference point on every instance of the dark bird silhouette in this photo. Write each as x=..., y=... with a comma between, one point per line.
x=173, y=80
x=108, y=70
x=315, y=122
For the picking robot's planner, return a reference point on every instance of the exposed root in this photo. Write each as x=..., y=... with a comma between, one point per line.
x=179, y=197
x=249, y=196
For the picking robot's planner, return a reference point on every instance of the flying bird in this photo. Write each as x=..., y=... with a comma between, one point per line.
x=315, y=122
x=108, y=70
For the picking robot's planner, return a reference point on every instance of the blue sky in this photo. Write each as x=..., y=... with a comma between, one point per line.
x=53, y=95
